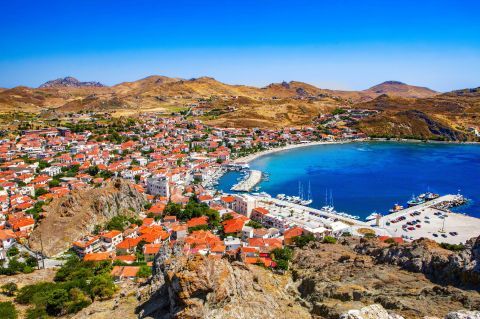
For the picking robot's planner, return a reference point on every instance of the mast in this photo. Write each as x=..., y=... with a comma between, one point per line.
x=309, y=197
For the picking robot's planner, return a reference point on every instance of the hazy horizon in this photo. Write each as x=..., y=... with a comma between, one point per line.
x=345, y=45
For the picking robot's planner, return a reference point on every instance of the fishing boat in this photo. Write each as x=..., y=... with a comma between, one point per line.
x=415, y=201
x=396, y=208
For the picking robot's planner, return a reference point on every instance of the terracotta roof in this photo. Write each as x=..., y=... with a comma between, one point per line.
x=111, y=234
x=197, y=221
x=129, y=243
x=125, y=271
x=97, y=256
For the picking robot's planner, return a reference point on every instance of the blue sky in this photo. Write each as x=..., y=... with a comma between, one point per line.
x=332, y=44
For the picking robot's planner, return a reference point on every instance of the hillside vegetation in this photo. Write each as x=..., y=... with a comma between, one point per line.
x=405, y=110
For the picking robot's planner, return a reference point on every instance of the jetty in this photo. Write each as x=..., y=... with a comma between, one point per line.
x=309, y=212
x=254, y=177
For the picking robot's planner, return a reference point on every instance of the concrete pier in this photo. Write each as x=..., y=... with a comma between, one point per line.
x=250, y=182
x=437, y=224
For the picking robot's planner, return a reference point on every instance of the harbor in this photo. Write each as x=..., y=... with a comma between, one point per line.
x=431, y=219
x=326, y=213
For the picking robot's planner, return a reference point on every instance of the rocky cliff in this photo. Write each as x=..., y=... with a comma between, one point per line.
x=376, y=311
x=333, y=279
x=425, y=256
x=327, y=281
x=75, y=215
x=202, y=287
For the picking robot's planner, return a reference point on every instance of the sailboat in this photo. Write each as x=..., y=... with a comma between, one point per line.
x=308, y=200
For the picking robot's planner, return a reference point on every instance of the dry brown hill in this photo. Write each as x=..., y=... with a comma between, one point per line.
x=395, y=88
x=446, y=116
x=406, y=110
x=156, y=93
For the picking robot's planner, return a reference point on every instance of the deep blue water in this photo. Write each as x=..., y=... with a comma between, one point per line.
x=372, y=176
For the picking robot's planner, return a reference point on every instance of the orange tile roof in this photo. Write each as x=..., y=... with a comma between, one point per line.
x=197, y=221
x=293, y=232
x=97, y=256
x=233, y=226
x=151, y=249
x=228, y=199
x=111, y=234
x=22, y=222
x=129, y=243
x=126, y=258
x=125, y=271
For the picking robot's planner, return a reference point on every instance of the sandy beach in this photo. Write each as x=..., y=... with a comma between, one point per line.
x=251, y=157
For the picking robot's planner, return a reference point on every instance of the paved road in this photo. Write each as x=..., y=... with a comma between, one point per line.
x=49, y=263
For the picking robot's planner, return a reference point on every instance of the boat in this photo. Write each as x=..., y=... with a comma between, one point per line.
x=415, y=201
x=396, y=208
x=373, y=216
x=431, y=196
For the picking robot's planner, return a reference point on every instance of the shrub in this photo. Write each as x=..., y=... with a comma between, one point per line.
x=8, y=311
x=77, y=284
x=452, y=247
x=301, y=241
x=390, y=241
x=13, y=251
x=329, y=240
x=254, y=224
x=145, y=271
x=37, y=313
x=9, y=289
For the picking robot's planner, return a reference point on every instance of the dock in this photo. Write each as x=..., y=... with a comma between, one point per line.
x=406, y=211
x=250, y=182
x=435, y=223
x=310, y=212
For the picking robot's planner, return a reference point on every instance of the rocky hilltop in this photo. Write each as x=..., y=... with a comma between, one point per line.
x=69, y=82
x=333, y=279
x=397, y=88
x=202, y=287
x=461, y=269
x=70, y=217
x=354, y=279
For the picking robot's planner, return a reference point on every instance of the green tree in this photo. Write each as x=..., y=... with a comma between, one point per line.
x=144, y=272
x=55, y=301
x=40, y=191
x=301, y=241
x=102, y=287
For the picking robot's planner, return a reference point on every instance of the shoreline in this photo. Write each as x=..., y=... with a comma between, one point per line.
x=251, y=157
x=254, y=156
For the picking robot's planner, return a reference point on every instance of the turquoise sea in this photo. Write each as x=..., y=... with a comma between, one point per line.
x=371, y=176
